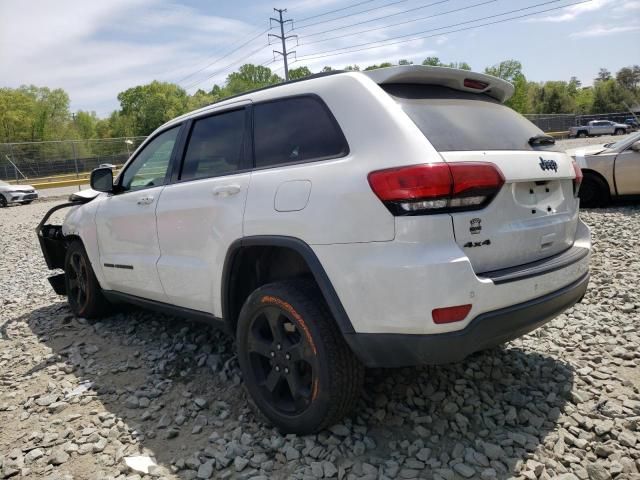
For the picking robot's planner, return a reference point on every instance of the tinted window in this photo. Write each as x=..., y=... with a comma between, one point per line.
x=149, y=168
x=294, y=130
x=215, y=146
x=457, y=121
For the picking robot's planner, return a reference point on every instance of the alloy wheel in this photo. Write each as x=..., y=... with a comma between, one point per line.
x=78, y=276
x=283, y=360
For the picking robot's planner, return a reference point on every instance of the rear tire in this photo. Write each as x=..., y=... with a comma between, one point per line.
x=619, y=131
x=3, y=201
x=594, y=192
x=83, y=290
x=296, y=365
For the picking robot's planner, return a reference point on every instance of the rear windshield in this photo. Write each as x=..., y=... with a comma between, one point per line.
x=453, y=120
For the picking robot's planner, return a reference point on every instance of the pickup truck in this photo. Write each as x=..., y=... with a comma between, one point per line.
x=599, y=127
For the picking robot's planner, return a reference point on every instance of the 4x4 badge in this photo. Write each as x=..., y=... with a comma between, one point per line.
x=548, y=164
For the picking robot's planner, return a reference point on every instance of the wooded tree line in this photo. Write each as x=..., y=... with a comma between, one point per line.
x=31, y=113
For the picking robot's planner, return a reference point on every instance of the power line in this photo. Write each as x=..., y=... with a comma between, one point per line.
x=388, y=26
x=335, y=11
x=352, y=14
x=324, y=54
x=224, y=56
x=223, y=69
x=421, y=7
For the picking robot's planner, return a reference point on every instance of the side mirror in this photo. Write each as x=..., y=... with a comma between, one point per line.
x=636, y=146
x=102, y=180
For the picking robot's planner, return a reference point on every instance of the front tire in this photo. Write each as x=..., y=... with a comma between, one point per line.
x=3, y=201
x=620, y=131
x=582, y=134
x=83, y=290
x=296, y=365
x=594, y=192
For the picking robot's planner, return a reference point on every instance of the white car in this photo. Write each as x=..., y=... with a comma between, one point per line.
x=394, y=217
x=24, y=194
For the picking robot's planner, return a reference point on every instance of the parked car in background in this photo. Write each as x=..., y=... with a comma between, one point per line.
x=599, y=127
x=400, y=216
x=610, y=170
x=24, y=194
x=632, y=122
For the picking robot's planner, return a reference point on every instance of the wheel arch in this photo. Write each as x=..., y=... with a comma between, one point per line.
x=599, y=176
x=250, y=252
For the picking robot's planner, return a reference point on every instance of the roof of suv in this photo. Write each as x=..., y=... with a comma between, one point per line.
x=453, y=78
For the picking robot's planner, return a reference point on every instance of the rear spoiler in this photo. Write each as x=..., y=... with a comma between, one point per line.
x=462, y=80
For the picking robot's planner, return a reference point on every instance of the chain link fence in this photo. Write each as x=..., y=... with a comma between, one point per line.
x=560, y=122
x=64, y=159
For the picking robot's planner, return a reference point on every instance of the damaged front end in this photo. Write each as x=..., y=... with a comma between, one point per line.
x=53, y=243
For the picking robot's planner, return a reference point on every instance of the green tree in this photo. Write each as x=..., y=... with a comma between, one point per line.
x=382, y=65
x=610, y=96
x=432, y=61
x=511, y=71
x=603, y=75
x=148, y=106
x=300, y=72
x=250, y=77
x=85, y=124
x=404, y=62
x=629, y=77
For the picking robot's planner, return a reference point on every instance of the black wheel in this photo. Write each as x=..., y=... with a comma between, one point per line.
x=3, y=201
x=620, y=131
x=594, y=192
x=582, y=134
x=83, y=291
x=296, y=365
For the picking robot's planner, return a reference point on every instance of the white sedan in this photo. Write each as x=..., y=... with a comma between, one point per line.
x=24, y=194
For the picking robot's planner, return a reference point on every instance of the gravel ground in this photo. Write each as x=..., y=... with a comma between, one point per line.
x=83, y=400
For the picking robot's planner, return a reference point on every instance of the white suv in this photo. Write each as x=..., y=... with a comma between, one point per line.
x=395, y=217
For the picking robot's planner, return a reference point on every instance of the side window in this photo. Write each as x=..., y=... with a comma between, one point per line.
x=215, y=146
x=150, y=166
x=294, y=130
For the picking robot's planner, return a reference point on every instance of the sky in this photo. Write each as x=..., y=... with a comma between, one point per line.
x=96, y=49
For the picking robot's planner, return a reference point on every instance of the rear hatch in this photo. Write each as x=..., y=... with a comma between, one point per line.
x=534, y=214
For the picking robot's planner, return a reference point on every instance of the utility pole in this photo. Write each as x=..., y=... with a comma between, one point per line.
x=283, y=39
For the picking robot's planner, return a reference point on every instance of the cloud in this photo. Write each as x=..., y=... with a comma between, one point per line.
x=572, y=12
x=603, y=30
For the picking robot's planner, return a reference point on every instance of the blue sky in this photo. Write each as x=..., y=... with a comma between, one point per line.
x=96, y=49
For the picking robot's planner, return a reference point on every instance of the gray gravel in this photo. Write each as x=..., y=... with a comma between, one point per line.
x=580, y=142
x=87, y=400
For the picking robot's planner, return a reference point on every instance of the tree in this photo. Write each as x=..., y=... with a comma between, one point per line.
x=300, y=72
x=603, y=75
x=629, y=77
x=85, y=124
x=511, y=71
x=249, y=77
x=352, y=68
x=432, y=61
x=382, y=65
x=404, y=62
x=148, y=106
x=610, y=96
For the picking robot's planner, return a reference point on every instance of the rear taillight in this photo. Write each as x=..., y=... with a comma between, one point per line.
x=577, y=181
x=437, y=187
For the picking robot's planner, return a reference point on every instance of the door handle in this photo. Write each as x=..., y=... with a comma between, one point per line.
x=145, y=201
x=226, y=191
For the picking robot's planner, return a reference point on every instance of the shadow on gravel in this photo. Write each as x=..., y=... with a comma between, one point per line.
x=177, y=387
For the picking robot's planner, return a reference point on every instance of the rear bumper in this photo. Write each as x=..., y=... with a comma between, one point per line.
x=485, y=331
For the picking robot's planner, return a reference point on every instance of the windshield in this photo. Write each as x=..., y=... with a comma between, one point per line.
x=622, y=143
x=461, y=121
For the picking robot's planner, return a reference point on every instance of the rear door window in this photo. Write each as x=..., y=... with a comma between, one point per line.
x=295, y=129
x=216, y=146
x=461, y=121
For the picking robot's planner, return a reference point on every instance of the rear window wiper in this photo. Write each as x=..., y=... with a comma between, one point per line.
x=542, y=140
